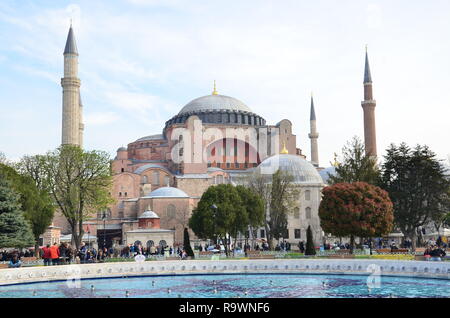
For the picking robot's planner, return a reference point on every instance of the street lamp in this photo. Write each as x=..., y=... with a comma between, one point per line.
x=214, y=208
x=104, y=228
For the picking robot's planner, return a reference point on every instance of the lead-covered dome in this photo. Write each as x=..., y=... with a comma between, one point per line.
x=214, y=102
x=217, y=109
x=302, y=171
x=167, y=192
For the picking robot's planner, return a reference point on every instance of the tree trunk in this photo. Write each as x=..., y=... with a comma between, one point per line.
x=37, y=249
x=352, y=243
x=413, y=241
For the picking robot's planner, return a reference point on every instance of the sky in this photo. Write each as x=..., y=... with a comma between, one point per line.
x=141, y=61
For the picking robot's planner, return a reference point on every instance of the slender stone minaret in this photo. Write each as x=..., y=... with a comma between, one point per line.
x=72, y=127
x=368, y=105
x=313, y=135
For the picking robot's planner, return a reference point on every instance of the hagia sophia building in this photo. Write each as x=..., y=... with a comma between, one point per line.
x=159, y=179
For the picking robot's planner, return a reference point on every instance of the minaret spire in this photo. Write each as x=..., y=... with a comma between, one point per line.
x=368, y=105
x=72, y=126
x=313, y=135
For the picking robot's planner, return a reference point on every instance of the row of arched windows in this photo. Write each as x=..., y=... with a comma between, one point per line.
x=155, y=179
x=307, y=213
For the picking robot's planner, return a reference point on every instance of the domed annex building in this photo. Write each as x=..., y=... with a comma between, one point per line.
x=159, y=179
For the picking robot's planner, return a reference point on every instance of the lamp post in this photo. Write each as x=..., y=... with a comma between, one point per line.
x=104, y=228
x=214, y=208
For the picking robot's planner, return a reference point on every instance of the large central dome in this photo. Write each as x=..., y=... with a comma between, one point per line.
x=214, y=102
x=217, y=109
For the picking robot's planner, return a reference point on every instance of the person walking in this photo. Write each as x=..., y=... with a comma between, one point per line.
x=54, y=253
x=46, y=255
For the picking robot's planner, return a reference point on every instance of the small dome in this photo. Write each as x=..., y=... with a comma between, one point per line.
x=302, y=170
x=325, y=173
x=167, y=192
x=149, y=215
x=121, y=149
x=214, y=102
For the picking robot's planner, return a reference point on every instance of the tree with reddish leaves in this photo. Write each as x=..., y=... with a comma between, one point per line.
x=356, y=209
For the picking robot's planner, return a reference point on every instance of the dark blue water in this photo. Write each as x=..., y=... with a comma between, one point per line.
x=233, y=286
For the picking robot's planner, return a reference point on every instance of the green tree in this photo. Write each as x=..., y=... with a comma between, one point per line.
x=36, y=204
x=355, y=165
x=355, y=209
x=280, y=197
x=15, y=231
x=310, y=249
x=219, y=214
x=417, y=186
x=79, y=182
x=254, y=206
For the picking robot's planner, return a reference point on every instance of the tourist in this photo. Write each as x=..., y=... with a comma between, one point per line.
x=54, y=253
x=436, y=254
x=15, y=262
x=46, y=255
x=82, y=253
x=63, y=253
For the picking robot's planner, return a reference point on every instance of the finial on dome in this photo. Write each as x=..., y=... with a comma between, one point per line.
x=284, y=151
x=215, y=91
x=335, y=163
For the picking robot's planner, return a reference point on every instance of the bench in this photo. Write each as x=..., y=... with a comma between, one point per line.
x=341, y=256
x=205, y=254
x=259, y=255
x=172, y=258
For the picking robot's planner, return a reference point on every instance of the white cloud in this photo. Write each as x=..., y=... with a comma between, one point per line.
x=100, y=118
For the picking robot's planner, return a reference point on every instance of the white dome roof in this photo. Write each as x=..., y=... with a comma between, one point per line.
x=214, y=102
x=302, y=170
x=149, y=215
x=167, y=192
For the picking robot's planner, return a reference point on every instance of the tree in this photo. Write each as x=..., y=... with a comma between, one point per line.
x=355, y=165
x=219, y=214
x=280, y=196
x=36, y=203
x=15, y=231
x=416, y=183
x=187, y=244
x=254, y=206
x=310, y=249
x=355, y=209
x=79, y=182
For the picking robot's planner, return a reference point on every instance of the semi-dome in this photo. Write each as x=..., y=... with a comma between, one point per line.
x=214, y=102
x=168, y=192
x=302, y=171
x=148, y=215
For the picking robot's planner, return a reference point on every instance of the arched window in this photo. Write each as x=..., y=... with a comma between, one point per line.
x=137, y=243
x=150, y=243
x=162, y=243
x=219, y=179
x=155, y=176
x=166, y=180
x=308, y=213
x=307, y=195
x=171, y=211
x=297, y=213
x=144, y=179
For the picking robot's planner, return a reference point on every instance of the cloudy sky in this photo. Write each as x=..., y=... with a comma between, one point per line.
x=141, y=61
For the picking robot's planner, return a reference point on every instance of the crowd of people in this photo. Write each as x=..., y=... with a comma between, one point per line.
x=64, y=253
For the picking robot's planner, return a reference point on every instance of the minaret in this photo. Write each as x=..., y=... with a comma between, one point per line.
x=368, y=105
x=72, y=128
x=313, y=135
